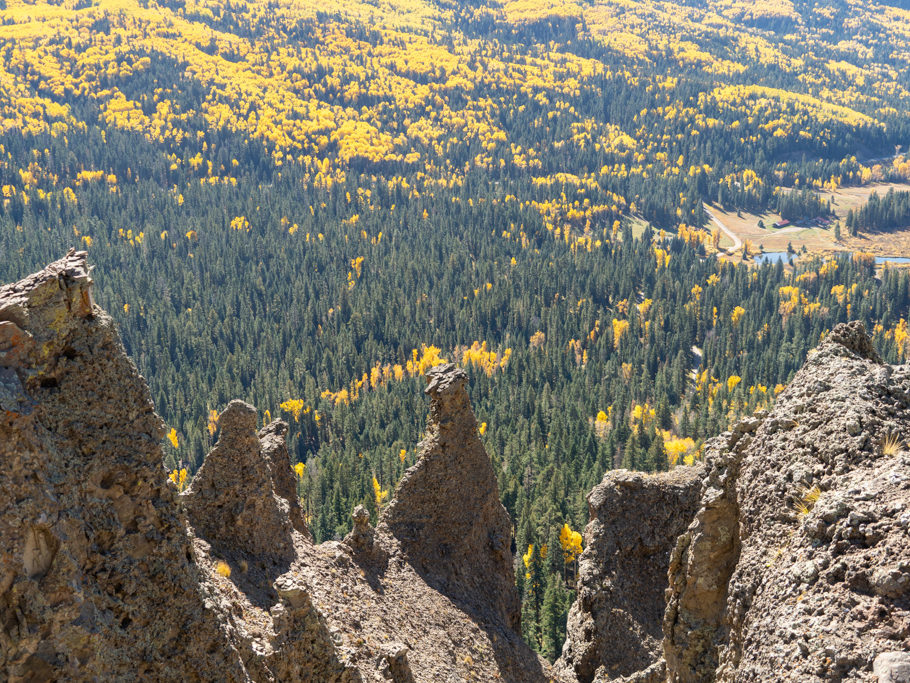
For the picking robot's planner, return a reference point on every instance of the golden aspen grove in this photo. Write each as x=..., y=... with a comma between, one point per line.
x=309, y=204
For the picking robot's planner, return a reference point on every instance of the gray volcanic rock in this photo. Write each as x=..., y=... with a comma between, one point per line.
x=702, y=561
x=794, y=566
x=892, y=667
x=274, y=448
x=796, y=563
x=797, y=566
x=614, y=626
x=446, y=514
x=231, y=502
x=95, y=580
x=102, y=578
x=361, y=539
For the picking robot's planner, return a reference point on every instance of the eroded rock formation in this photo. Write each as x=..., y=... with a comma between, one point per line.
x=615, y=624
x=789, y=557
x=93, y=551
x=821, y=584
x=274, y=449
x=796, y=565
x=703, y=559
x=232, y=503
x=101, y=578
x=446, y=514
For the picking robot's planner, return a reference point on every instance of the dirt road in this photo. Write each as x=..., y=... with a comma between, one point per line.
x=737, y=243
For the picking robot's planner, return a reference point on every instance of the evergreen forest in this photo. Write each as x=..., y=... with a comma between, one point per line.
x=307, y=205
x=881, y=213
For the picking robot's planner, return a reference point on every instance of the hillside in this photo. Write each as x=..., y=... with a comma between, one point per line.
x=728, y=100
x=308, y=205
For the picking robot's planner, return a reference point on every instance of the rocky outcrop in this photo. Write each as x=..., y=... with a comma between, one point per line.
x=373, y=607
x=103, y=576
x=446, y=514
x=796, y=566
x=615, y=625
x=232, y=503
x=274, y=448
x=96, y=576
x=702, y=561
x=789, y=557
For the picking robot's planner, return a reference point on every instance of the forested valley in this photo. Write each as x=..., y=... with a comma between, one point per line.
x=307, y=205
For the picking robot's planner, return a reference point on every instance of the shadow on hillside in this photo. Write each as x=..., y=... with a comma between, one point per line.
x=254, y=575
x=514, y=658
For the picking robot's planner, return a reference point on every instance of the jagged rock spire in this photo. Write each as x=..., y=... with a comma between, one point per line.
x=853, y=337
x=232, y=502
x=101, y=577
x=273, y=440
x=446, y=512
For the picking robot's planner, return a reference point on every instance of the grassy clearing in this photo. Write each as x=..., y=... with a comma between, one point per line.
x=745, y=226
x=818, y=240
x=638, y=225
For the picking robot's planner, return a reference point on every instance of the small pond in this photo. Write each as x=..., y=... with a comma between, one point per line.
x=773, y=257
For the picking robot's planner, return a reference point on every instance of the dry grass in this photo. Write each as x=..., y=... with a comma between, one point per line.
x=892, y=444
x=819, y=240
x=638, y=226
x=745, y=225
x=774, y=554
x=847, y=198
x=223, y=569
x=894, y=243
x=807, y=499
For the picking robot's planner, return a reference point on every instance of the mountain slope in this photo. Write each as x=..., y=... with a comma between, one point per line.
x=307, y=205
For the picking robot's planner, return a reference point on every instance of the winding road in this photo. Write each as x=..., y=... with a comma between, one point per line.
x=737, y=243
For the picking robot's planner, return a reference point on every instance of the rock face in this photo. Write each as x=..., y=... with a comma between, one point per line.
x=795, y=564
x=274, y=449
x=93, y=547
x=107, y=574
x=615, y=624
x=232, y=503
x=446, y=514
x=702, y=561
